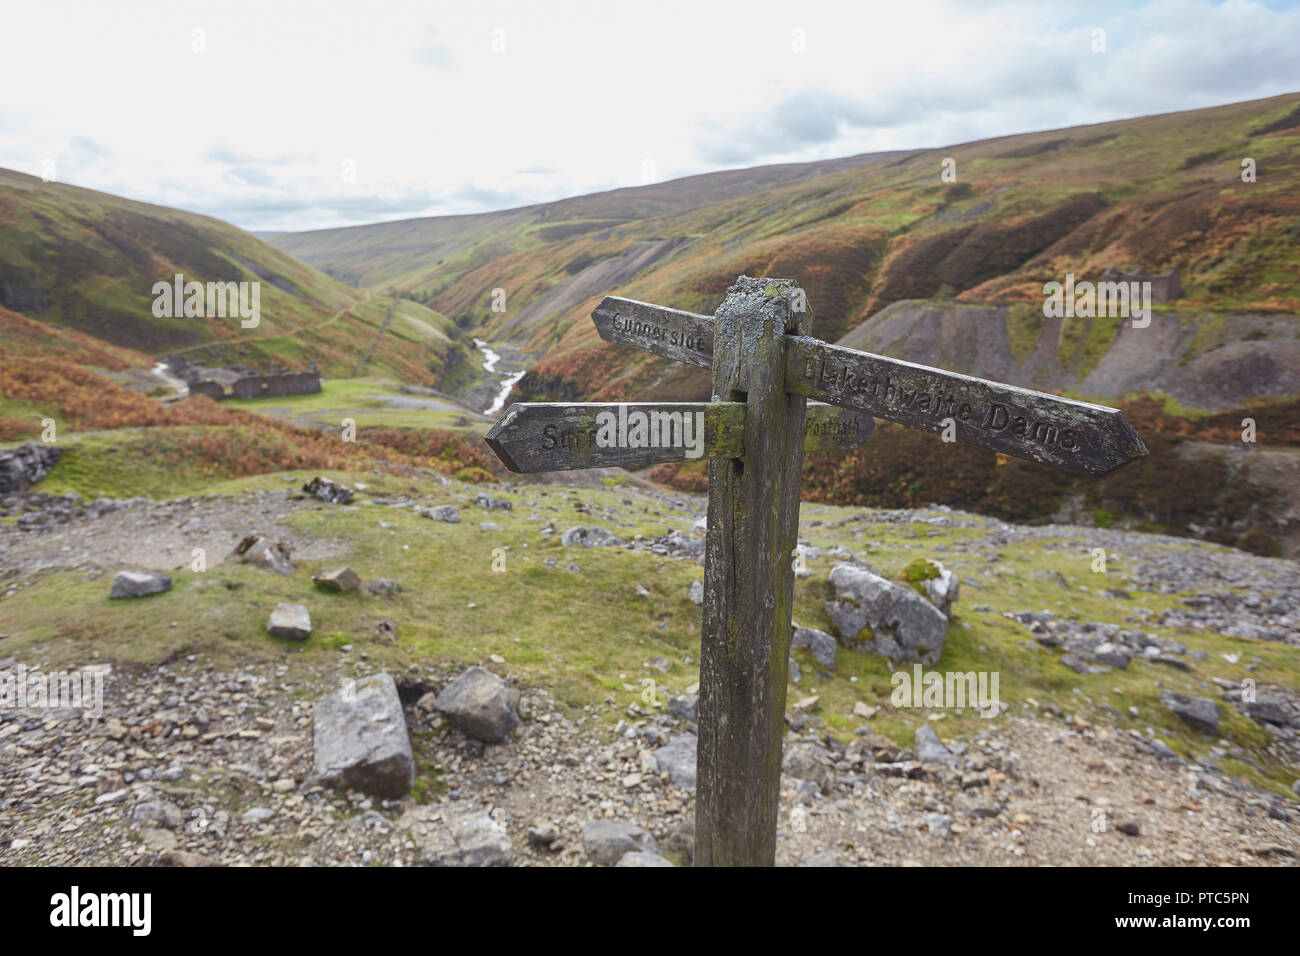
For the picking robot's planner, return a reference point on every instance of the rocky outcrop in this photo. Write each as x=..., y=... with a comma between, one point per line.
x=591, y=538
x=872, y=613
x=460, y=835
x=685, y=707
x=24, y=466
x=1172, y=354
x=329, y=491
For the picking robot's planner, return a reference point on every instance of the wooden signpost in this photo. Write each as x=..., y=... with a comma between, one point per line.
x=754, y=433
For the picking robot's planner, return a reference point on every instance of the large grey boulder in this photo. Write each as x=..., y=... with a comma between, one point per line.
x=1200, y=712
x=361, y=740
x=607, y=841
x=480, y=705
x=290, y=620
x=447, y=513
x=128, y=584
x=873, y=613
x=820, y=644
x=677, y=759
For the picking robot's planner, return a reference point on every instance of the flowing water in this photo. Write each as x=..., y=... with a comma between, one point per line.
x=165, y=373
x=490, y=359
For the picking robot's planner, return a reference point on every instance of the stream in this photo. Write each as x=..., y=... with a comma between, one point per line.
x=490, y=359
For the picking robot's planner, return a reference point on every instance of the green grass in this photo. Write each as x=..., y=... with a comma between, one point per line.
x=583, y=635
x=1085, y=342
x=1171, y=406
x=122, y=464
x=362, y=400
x=1024, y=326
x=586, y=637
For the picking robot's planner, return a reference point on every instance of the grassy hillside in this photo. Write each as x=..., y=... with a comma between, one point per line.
x=897, y=261
x=85, y=261
x=1156, y=192
x=427, y=254
x=107, y=431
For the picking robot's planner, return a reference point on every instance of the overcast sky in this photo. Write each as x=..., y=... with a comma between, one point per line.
x=300, y=115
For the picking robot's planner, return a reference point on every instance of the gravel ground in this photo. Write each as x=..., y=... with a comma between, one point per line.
x=192, y=766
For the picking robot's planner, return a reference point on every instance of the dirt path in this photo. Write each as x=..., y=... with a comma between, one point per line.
x=160, y=536
x=249, y=338
x=388, y=318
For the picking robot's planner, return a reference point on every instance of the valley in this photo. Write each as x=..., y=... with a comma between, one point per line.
x=1144, y=626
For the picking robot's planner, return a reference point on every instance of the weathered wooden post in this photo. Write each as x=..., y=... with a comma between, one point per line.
x=755, y=431
x=749, y=579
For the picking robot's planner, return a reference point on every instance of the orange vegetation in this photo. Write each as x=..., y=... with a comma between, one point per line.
x=239, y=442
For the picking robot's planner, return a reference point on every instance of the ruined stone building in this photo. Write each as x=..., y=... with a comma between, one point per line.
x=245, y=384
x=1163, y=287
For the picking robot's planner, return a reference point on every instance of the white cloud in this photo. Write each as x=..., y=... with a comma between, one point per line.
x=459, y=107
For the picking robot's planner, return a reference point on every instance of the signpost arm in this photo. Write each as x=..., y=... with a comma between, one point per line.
x=749, y=579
